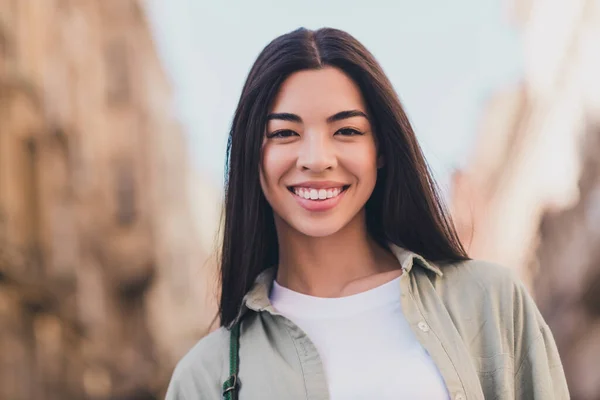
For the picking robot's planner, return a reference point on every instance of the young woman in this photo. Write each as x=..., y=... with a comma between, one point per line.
x=342, y=276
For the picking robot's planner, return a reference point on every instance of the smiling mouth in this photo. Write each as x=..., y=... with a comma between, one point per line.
x=317, y=194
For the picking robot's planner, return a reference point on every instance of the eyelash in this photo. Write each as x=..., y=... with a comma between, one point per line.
x=278, y=134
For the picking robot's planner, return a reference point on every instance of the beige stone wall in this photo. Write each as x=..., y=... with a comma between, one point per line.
x=103, y=284
x=528, y=197
x=567, y=284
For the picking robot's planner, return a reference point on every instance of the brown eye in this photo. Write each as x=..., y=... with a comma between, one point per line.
x=284, y=133
x=349, y=132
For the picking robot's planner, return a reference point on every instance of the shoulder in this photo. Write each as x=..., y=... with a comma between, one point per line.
x=493, y=296
x=200, y=372
x=480, y=272
x=505, y=319
x=486, y=279
x=208, y=351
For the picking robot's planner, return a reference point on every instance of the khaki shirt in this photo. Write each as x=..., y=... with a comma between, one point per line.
x=475, y=319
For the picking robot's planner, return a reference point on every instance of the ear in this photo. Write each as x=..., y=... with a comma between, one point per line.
x=380, y=162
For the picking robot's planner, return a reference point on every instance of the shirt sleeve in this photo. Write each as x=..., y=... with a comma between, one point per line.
x=539, y=374
x=175, y=392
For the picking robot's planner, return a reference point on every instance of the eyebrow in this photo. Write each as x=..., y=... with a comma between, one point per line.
x=334, y=118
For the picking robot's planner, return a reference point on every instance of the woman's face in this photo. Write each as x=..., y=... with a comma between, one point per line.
x=319, y=158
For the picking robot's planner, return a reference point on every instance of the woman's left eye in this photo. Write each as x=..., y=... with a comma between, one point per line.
x=349, y=132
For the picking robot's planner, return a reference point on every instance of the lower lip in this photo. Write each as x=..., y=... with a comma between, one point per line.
x=319, y=205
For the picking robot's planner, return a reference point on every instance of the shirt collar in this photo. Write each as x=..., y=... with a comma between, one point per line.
x=257, y=298
x=407, y=260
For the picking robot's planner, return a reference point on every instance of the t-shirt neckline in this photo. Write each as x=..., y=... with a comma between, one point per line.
x=300, y=305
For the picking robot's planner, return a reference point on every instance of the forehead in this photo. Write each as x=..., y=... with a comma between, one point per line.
x=320, y=92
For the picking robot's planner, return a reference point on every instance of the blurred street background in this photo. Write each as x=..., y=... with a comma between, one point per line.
x=114, y=117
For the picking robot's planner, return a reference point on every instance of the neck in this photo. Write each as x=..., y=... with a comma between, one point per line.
x=341, y=264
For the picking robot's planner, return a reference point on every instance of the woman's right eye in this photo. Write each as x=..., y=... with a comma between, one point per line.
x=284, y=133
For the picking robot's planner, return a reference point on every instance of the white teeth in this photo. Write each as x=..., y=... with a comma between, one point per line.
x=317, y=194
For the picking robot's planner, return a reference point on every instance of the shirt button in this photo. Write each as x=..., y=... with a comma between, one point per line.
x=459, y=396
x=424, y=327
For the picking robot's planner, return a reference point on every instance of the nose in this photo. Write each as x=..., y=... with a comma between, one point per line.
x=317, y=153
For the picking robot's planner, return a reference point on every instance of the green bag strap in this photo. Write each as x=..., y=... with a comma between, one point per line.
x=231, y=385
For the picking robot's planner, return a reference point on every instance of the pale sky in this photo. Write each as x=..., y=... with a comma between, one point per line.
x=444, y=58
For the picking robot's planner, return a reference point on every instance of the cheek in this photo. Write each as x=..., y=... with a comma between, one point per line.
x=362, y=162
x=275, y=162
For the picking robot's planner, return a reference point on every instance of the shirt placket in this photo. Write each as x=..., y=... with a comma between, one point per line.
x=313, y=372
x=430, y=340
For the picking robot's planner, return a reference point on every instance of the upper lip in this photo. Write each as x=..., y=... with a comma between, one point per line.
x=319, y=184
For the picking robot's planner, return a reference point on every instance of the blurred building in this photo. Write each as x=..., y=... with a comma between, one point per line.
x=529, y=197
x=103, y=270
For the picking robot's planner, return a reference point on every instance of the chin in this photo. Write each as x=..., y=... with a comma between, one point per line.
x=317, y=229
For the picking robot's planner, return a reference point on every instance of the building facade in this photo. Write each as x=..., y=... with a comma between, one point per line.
x=103, y=283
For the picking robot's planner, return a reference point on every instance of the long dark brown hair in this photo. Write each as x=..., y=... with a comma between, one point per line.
x=405, y=208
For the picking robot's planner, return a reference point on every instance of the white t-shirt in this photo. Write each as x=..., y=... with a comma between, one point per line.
x=366, y=345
